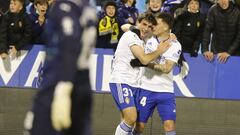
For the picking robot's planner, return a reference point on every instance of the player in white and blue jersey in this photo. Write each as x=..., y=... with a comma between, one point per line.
x=63, y=105
x=157, y=81
x=124, y=78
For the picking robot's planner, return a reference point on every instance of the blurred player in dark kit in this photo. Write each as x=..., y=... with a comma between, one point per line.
x=63, y=105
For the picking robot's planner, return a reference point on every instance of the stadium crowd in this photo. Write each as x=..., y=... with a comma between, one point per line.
x=197, y=23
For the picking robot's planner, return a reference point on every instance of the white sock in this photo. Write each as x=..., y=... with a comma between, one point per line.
x=123, y=129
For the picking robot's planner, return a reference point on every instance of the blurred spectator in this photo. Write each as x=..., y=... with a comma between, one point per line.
x=128, y=12
x=154, y=6
x=50, y=2
x=108, y=26
x=170, y=6
x=4, y=5
x=38, y=17
x=189, y=27
x=1, y=14
x=15, y=30
x=223, y=21
x=29, y=6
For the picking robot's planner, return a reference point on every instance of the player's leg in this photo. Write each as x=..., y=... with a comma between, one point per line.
x=145, y=106
x=81, y=110
x=139, y=128
x=167, y=111
x=38, y=121
x=124, y=96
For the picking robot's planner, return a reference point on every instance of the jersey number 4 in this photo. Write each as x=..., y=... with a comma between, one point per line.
x=143, y=101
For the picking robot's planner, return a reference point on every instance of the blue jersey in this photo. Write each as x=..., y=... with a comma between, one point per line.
x=71, y=34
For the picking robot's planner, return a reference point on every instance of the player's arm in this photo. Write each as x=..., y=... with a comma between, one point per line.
x=164, y=68
x=139, y=53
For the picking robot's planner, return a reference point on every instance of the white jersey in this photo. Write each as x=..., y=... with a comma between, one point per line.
x=154, y=80
x=122, y=72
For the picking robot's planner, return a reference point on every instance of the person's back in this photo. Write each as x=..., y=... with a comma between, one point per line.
x=122, y=70
x=63, y=105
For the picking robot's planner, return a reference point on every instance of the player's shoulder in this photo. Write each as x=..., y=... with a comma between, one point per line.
x=131, y=35
x=176, y=44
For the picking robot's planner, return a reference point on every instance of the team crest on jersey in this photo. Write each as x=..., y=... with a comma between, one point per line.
x=149, y=43
x=127, y=100
x=176, y=55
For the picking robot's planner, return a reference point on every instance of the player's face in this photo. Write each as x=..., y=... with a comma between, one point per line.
x=160, y=28
x=155, y=5
x=224, y=4
x=110, y=11
x=42, y=8
x=15, y=6
x=193, y=6
x=145, y=28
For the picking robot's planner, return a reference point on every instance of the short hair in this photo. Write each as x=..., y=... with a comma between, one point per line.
x=41, y=2
x=199, y=2
x=110, y=3
x=21, y=1
x=148, y=1
x=148, y=16
x=167, y=18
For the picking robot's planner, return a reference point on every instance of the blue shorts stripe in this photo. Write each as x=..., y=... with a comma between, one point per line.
x=120, y=95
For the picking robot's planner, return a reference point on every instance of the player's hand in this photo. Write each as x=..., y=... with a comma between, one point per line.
x=222, y=57
x=208, y=55
x=164, y=46
x=61, y=106
x=136, y=63
x=126, y=27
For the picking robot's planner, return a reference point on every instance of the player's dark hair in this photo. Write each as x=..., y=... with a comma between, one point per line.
x=41, y=2
x=166, y=17
x=199, y=2
x=148, y=16
x=148, y=1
